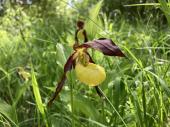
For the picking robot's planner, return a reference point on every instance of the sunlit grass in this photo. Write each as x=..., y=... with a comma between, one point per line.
x=136, y=87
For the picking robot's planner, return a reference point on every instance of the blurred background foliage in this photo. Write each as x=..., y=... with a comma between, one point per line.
x=36, y=38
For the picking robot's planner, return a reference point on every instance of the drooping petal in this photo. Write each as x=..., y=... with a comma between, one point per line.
x=58, y=89
x=106, y=46
x=67, y=67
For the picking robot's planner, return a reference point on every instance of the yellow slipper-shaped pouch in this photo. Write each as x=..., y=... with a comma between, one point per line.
x=91, y=74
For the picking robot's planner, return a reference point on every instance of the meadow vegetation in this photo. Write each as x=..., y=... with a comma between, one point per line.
x=37, y=39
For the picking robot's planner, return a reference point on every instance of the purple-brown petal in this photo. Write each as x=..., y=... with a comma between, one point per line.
x=69, y=64
x=58, y=89
x=106, y=46
x=67, y=67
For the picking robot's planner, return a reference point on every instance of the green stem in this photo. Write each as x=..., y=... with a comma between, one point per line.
x=72, y=104
x=161, y=108
x=11, y=97
x=105, y=97
x=144, y=101
x=103, y=111
x=166, y=71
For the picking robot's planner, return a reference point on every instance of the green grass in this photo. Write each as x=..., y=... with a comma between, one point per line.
x=136, y=88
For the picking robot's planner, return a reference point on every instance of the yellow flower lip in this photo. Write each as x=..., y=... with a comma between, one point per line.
x=92, y=74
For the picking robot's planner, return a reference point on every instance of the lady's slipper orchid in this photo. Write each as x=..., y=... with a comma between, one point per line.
x=82, y=61
x=86, y=70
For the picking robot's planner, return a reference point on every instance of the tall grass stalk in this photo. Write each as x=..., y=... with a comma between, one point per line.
x=72, y=100
x=144, y=101
x=163, y=5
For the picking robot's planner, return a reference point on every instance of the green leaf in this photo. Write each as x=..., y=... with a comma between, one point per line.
x=8, y=111
x=37, y=93
x=93, y=24
x=38, y=96
x=60, y=54
x=86, y=107
x=21, y=90
x=163, y=84
x=166, y=9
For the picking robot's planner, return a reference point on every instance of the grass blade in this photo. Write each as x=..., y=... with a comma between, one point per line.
x=38, y=96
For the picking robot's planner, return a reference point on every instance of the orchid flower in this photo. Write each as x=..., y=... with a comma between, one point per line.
x=86, y=70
